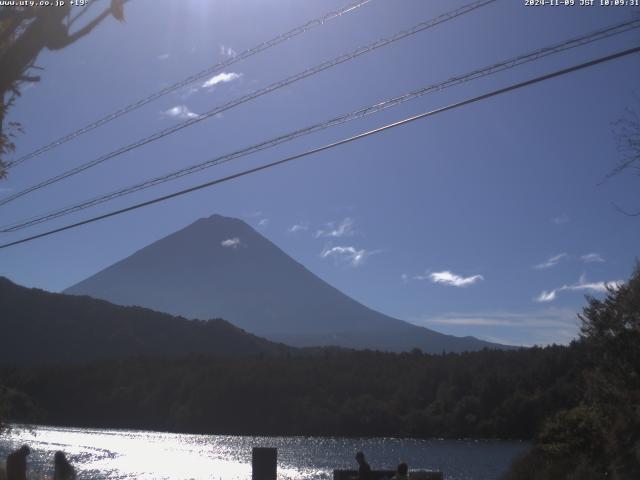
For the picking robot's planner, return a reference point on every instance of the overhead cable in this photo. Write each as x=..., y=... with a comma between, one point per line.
x=353, y=115
x=251, y=96
x=218, y=67
x=354, y=138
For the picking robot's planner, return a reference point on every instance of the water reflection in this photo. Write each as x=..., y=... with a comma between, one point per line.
x=127, y=454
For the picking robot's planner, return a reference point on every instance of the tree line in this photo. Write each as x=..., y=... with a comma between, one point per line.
x=492, y=393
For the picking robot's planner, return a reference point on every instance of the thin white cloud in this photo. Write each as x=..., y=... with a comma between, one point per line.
x=405, y=278
x=181, y=112
x=343, y=229
x=448, y=278
x=546, y=296
x=496, y=321
x=592, y=258
x=163, y=56
x=264, y=222
x=223, y=77
x=231, y=242
x=594, y=286
x=560, y=219
x=551, y=262
x=426, y=276
x=468, y=321
x=227, y=51
x=582, y=285
x=541, y=327
x=351, y=254
x=298, y=227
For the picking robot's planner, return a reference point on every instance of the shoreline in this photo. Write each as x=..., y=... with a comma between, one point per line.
x=235, y=435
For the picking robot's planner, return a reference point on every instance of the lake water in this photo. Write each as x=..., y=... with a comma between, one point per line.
x=128, y=454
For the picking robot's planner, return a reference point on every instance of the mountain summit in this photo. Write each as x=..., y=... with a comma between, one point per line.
x=220, y=267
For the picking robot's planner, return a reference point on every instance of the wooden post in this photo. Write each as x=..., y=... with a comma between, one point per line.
x=264, y=463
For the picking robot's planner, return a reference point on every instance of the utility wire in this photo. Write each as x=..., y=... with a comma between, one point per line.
x=193, y=78
x=353, y=115
x=329, y=146
x=253, y=95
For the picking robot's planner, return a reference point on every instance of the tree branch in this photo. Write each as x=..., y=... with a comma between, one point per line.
x=93, y=24
x=624, y=212
x=29, y=78
x=82, y=32
x=82, y=12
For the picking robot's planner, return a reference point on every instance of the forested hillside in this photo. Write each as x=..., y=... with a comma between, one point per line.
x=482, y=394
x=39, y=326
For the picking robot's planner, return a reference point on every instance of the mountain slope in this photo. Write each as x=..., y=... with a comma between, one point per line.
x=221, y=267
x=37, y=326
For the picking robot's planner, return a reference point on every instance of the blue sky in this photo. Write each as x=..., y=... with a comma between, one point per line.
x=488, y=220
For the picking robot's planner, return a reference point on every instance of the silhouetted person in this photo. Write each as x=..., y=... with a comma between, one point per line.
x=402, y=472
x=17, y=464
x=364, y=470
x=62, y=468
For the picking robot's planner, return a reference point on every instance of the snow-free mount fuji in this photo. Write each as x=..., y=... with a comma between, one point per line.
x=256, y=286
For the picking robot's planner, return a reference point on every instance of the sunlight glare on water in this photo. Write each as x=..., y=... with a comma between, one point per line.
x=129, y=454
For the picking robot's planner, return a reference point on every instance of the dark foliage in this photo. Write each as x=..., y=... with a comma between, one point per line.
x=482, y=394
x=38, y=327
x=599, y=436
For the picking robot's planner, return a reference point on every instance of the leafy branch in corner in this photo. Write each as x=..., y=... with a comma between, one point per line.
x=24, y=32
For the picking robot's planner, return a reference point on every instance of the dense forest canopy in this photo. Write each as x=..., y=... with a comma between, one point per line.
x=495, y=393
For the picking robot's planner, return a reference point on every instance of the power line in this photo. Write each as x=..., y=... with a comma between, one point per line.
x=193, y=78
x=359, y=136
x=353, y=115
x=253, y=95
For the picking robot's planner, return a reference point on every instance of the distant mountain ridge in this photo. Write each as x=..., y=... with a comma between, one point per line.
x=220, y=267
x=43, y=327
